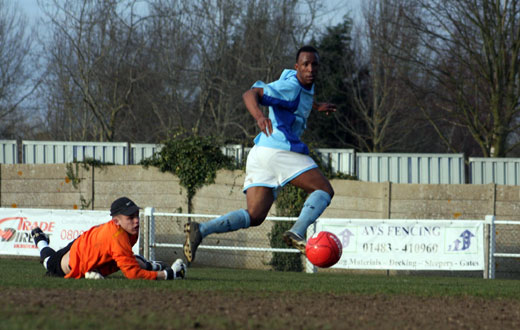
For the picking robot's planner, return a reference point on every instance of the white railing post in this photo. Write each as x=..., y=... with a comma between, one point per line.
x=309, y=267
x=492, y=235
x=149, y=233
x=146, y=230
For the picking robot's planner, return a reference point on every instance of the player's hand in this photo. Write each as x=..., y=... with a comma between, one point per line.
x=265, y=125
x=326, y=107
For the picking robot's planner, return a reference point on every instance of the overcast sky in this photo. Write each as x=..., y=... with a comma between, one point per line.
x=336, y=9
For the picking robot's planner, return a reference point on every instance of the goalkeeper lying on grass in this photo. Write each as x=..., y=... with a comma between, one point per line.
x=105, y=249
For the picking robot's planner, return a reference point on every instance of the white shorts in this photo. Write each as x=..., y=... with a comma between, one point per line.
x=274, y=168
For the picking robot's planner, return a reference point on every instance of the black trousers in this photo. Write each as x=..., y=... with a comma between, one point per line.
x=54, y=263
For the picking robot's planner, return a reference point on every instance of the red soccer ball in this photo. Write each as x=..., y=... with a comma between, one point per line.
x=323, y=249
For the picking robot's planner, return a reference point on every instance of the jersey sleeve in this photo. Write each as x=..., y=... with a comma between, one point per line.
x=280, y=93
x=124, y=258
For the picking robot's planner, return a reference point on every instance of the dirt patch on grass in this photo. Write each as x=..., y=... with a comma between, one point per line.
x=158, y=309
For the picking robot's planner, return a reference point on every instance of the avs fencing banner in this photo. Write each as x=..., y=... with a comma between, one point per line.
x=62, y=226
x=408, y=244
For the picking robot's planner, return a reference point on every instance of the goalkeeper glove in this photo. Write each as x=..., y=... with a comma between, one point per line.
x=93, y=275
x=176, y=271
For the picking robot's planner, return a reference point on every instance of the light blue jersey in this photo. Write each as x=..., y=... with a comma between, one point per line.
x=289, y=107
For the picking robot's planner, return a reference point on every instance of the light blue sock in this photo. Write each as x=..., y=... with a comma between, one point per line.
x=229, y=222
x=314, y=206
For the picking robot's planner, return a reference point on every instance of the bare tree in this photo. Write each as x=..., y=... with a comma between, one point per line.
x=469, y=51
x=361, y=75
x=168, y=93
x=380, y=98
x=16, y=82
x=115, y=75
x=237, y=43
x=92, y=62
x=183, y=64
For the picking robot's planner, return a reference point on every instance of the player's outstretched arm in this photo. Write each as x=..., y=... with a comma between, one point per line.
x=150, y=264
x=324, y=107
x=177, y=271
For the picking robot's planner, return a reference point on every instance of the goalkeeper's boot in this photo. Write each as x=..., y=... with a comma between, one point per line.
x=38, y=235
x=193, y=239
x=294, y=240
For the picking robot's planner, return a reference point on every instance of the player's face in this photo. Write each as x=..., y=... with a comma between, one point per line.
x=130, y=223
x=307, y=68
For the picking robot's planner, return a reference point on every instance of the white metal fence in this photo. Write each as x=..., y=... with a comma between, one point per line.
x=411, y=168
x=339, y=160
x=373, y=167
x=250, y=248
x=8, y=152
x=54, y=152
x=504, y=246
x=505, y=171
x=240, y=249
x=141, y=151
x=237, y=151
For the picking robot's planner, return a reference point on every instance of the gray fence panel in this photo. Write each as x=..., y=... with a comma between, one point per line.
x=55, y=152
x=8, y=152
x=375, y=167
x=141, y=151
x=340, y=160
x=236, y=151
x=504, y=171
x=44, y=152
x=411, y=168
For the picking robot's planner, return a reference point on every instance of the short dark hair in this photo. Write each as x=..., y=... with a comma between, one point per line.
x=306, y=49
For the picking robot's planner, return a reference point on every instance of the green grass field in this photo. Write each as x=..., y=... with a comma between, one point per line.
x=32, y=300
x=28, y=273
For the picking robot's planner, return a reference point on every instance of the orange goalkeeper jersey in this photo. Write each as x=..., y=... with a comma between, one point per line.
x=106, y=248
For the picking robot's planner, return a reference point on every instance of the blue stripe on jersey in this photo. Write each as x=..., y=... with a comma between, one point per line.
x=289, y=106
x=286, y=105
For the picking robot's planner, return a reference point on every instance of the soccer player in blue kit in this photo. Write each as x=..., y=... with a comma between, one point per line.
x=278, y=156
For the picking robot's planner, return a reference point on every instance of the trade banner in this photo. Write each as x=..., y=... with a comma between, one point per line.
x=62, y=226
x=408, y=244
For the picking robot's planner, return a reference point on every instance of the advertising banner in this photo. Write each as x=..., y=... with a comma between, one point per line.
x=62, y=226
x=408, y=244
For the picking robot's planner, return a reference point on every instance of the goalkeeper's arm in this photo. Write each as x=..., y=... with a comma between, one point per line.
x=164, y=272
x=150, y=264
x=176, y=272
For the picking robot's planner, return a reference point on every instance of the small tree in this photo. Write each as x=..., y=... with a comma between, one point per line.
x=194, y=159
